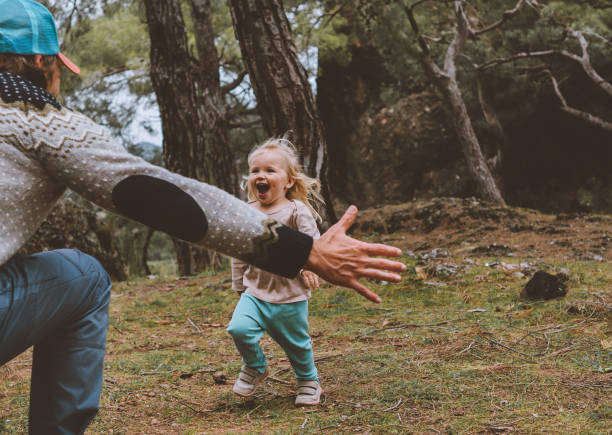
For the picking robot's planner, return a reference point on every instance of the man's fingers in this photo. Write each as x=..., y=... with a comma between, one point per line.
x=347, y=220
x=380, y=275
x=378, y=249
x=365, y=292
x=384, y=264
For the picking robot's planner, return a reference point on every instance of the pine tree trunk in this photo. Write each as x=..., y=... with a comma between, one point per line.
x=349, y=82
x=485, y=182
x=224, y=172
x=280, y=84
x=175, y=84
x=145, y=250
x=446, y=81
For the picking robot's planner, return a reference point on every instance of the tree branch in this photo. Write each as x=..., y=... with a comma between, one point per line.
x=234, y=84
x=461, y=34
x=523, y=55
x=585, y=116
x=409, y=10
x=505, y=17
x=598, y=36
x=585, y=61
x=440, y=39
x=69, y=21
x=429, y=65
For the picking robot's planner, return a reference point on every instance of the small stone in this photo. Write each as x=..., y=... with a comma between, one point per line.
x=220, y=377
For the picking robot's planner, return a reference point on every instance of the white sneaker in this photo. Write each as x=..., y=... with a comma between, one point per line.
x=309, y=393
x=247, y=381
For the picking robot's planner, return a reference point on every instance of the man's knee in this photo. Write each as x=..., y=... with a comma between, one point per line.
x=90, y=268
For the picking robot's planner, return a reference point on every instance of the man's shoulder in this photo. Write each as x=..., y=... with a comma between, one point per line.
x=54, y=128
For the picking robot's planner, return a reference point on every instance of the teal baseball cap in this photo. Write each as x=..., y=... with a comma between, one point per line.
x=27, y=27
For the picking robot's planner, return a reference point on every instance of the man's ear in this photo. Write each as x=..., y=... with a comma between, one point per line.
x=38, y=61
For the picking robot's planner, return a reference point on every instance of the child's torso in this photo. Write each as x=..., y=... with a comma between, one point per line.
x=273, y=288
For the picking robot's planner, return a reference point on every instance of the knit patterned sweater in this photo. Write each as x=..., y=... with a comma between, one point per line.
x=46, y=148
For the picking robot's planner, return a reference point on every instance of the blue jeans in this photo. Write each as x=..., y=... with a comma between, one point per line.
x=287, y=324
x=57, y=301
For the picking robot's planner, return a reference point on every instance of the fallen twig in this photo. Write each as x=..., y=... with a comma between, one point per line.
x=328, y=357
x=188, y=404
x=466, y=349
x=573, y=384
x=560, y=351
x=156, y=371
x=507, y=347
x=197, y=328
x=512, y=422
x=280, y=381
x=252, y=410
x=399, y=402
x=413, y=325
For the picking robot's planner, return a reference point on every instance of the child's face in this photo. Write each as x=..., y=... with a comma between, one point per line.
x=268, y=178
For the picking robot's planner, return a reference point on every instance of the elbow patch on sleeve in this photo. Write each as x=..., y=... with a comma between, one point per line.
x=162, y=206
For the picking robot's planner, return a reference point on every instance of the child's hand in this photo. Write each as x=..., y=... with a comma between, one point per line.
x=311, y=279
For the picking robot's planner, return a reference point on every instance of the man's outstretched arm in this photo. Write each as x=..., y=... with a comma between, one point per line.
x=82, y=156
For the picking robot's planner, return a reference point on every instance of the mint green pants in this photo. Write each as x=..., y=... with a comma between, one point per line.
x=287, y=324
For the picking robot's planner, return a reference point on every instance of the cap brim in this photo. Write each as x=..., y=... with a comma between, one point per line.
x=69, y=64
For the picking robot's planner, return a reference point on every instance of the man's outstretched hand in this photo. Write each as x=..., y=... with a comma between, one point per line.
x=342, y=260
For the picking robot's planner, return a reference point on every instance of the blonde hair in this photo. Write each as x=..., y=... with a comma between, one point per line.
x=305, y=188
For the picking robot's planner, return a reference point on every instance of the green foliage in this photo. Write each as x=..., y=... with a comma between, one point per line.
x=128, y=48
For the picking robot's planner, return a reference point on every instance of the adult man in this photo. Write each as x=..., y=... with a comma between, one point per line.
x=58, y=301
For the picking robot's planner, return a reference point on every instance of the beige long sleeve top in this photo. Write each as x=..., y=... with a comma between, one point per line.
x=46, y=148
x=269, y=287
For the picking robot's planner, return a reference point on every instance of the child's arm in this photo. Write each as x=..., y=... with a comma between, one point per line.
x=307, y=224
x=238, y=269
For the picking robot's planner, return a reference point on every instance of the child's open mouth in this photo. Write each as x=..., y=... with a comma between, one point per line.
x=262, y=187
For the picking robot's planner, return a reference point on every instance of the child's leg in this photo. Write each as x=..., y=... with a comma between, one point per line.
x=288, y=326
x=246, y=330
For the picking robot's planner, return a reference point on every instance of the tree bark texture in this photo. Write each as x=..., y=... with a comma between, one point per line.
x=175, y=84
x=224, y=172
x=284, y=98
x=446, y=82
x=502, y=144
x=471, y=147
x=345, y=91
x=145, y=250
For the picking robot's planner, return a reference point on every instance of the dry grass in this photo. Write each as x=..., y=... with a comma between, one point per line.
x=443, y=353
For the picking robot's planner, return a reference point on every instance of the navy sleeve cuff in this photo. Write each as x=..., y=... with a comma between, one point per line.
x=286, y=254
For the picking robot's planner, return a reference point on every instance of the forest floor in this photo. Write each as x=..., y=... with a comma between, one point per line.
x=451, y=349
